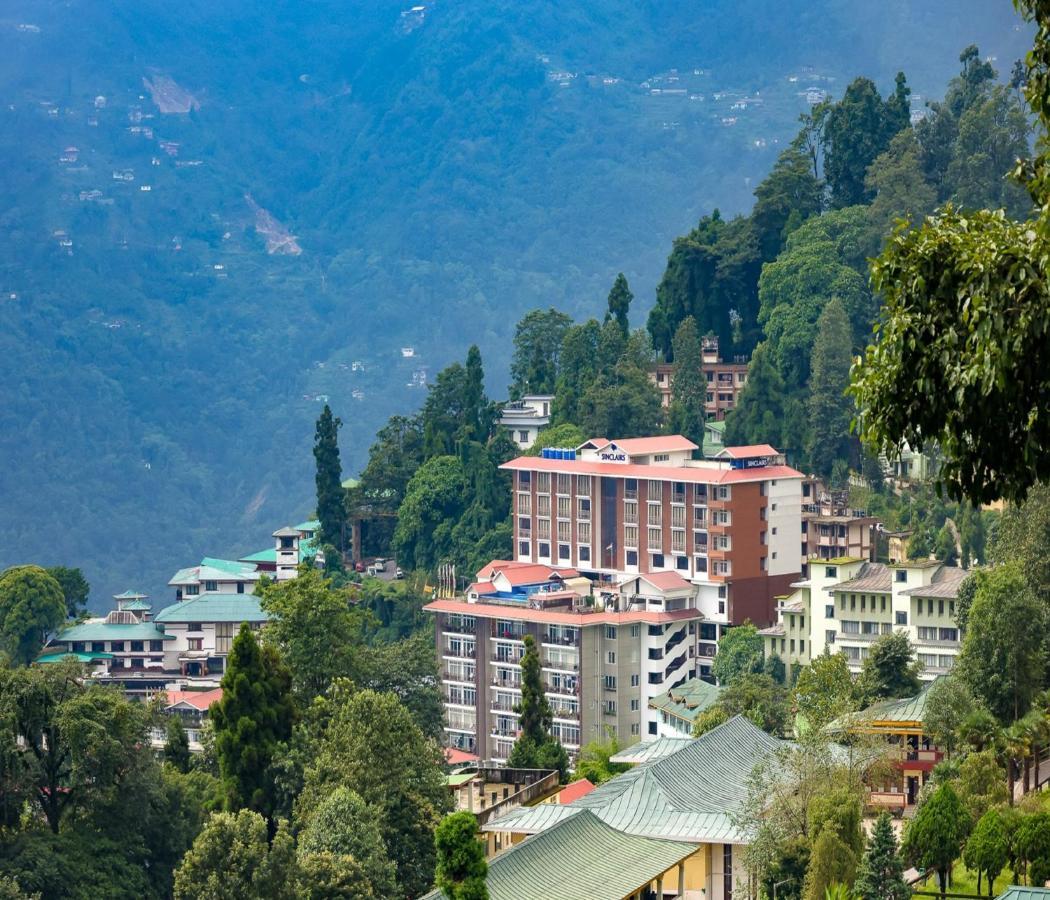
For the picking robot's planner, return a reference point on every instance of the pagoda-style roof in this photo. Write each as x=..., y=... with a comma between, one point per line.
x=214, y=607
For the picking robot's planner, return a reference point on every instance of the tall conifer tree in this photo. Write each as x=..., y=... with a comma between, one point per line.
x=881, y=872
x=331, y=508
x=688, y=384
x=254, y=716
x=620, y=298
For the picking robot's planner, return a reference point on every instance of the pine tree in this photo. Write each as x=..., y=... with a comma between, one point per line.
x=688, y=385
x=535, y=747
x=620, y=298
x=461, y=866
x=934, y=837
x=475, y=405
x=331, y=508
x=253, y=717
x=987, y=849
x=881, y=872
x=177, y=745
x=830, y=409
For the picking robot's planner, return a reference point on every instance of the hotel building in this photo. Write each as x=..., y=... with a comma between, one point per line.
x=632, y=560
x=725, y=380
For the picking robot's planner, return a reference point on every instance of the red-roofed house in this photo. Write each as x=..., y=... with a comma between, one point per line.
x=573, y=791
x=190, y=706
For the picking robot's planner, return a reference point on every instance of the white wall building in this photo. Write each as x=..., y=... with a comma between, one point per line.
x=526, y=418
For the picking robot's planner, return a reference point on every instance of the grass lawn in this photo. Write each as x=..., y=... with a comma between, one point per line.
x=965, y=882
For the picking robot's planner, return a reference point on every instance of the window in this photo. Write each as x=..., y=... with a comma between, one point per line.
x=583, y=509
x=630, y=489
x=634, y=680
x=701, y=564
x=655, y=538
x=564, y=507
x=523, y=548
x=882, y=604
x=722, y=591
x=583, y=532
x=564, y=530
x=681, y=563
x=543, y=505
x=652, y=725
x=901, y=618
x=610, y=682
x=700, y=493
x=940, y=607
x=630, y=512
x=585, y=554
x=631, y=558
x=563, y=552
x=100, y=646
x=543, y=529
x=829, y=611
x=211, y=586
x=661, y=457
x=116, y=646
x=583, y=484
x=524, y=479
x=524, y=505
x=657, y=560
x=634, y=705
x=774, y=529
x=635, y=630
x=831, y=572
x=655, y=513
x=610, y=632
x=829, y=637
x=564, y=484
x=193, y=589
x=722, y=492
x=545, y=549
x=630, y=535
x=612, y=657
x=136, y=646
x=523, y=437
x=634, y=728
x=610, y=707
x=948, y=634
x=543, y=484
x=195, y=643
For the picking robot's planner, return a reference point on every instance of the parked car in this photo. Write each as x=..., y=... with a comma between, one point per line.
x=399, y=574
x=359, y=567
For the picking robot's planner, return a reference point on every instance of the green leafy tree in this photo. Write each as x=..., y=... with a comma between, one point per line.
x=824, y=690
x=899, y=189
x=593, y=760
x=75, y=589
x=31, y=605
x=787, y=196
x=739, y=653
x=890, y=668
x=328, y=876
x=986, y=851
x=830, y=409
x=934, y=838
x=373, y=747
x=331, y=505
x=948, y=702
x=623, y=401
x=408, y=669
x=534, y=747
x=578, y=367
x=1023, y=538
x=880, y=875
x=538, y=340
x=252, y=720
x=177, y=744
x=343, y=825
x=1003, y=656
x=758, y=697
x=434, y=501
x=564, y=435
x=831, y=863
x=688, y=384
x=306, y=613
x=710, y=719
x=461, y=866
x=230, y=860
x=765, y=411
x=619, y=304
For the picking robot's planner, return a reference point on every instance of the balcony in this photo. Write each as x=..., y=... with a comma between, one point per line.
x=456, y=675
x=511, y=660
x=675, y=666
x=502, y=732
x=565, y=712
x=563, y=665
x=470, y=652
x=865, y=638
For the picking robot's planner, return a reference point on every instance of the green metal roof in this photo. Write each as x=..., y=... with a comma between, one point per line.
x=136, y=605
x=650, y=751
x=309, y=525
x=80, y=657
x=262, y=556
x=906, y=710
x=215, y=607
x=105, y=631
x=1021, y=892
x=232, y=566
x=459, y=778
x=687, y=700
x=130, y=595
x=689, y=795
x=580, y=857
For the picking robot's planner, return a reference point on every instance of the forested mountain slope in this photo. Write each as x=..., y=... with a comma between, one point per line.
x=216, y=214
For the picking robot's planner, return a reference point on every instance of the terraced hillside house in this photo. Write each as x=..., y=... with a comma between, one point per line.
x=688, y=794
x=831, y=528
x=900, y=723
x=526, y=418
x=614, y=508
x=124, y=647
x=847, y=604
x=725, y=380
x=606, y=651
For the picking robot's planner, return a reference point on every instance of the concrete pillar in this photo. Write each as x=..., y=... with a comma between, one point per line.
x=660, y=887
x=681, y=878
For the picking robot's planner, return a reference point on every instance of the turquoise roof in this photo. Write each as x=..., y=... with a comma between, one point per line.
x=650, y=751
x=687, y=700
x=215, y=607
x=309, y=525
x=690, y=795
x=131, y=595
x=136, y=606
x=1021, y=892
x=81, y=657
x=106, y=631
x=261, y=556
x=580, y=857
x=232, y=566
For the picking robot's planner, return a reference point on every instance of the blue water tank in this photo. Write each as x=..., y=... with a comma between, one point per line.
x=572, y=454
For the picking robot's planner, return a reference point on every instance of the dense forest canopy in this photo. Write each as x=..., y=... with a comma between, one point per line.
x=441, y=173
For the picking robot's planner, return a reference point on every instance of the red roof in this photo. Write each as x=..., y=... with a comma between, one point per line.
x=456, y=757
x=580, y=788
x=665, y=581
x=557, y=617
x=711, y=474
x=668, y=443
x=518, y=573
x=197, y=699
x=748, y=451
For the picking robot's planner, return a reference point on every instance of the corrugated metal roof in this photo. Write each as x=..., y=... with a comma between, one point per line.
x=268, y=555
x=944, y=585
x=580, y=857
x=688, y=795
x=100, y=630
x=906, y=710
x=870, y=577
x=687, y=700
x=213, y=607
x=1021, y=892
x=650, y=751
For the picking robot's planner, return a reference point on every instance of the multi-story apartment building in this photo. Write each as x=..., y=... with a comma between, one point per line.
x=609, y=509
x=725, y=380
x=526, y=418
x=831, y=528
x=847, y=604
x=605, y=652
